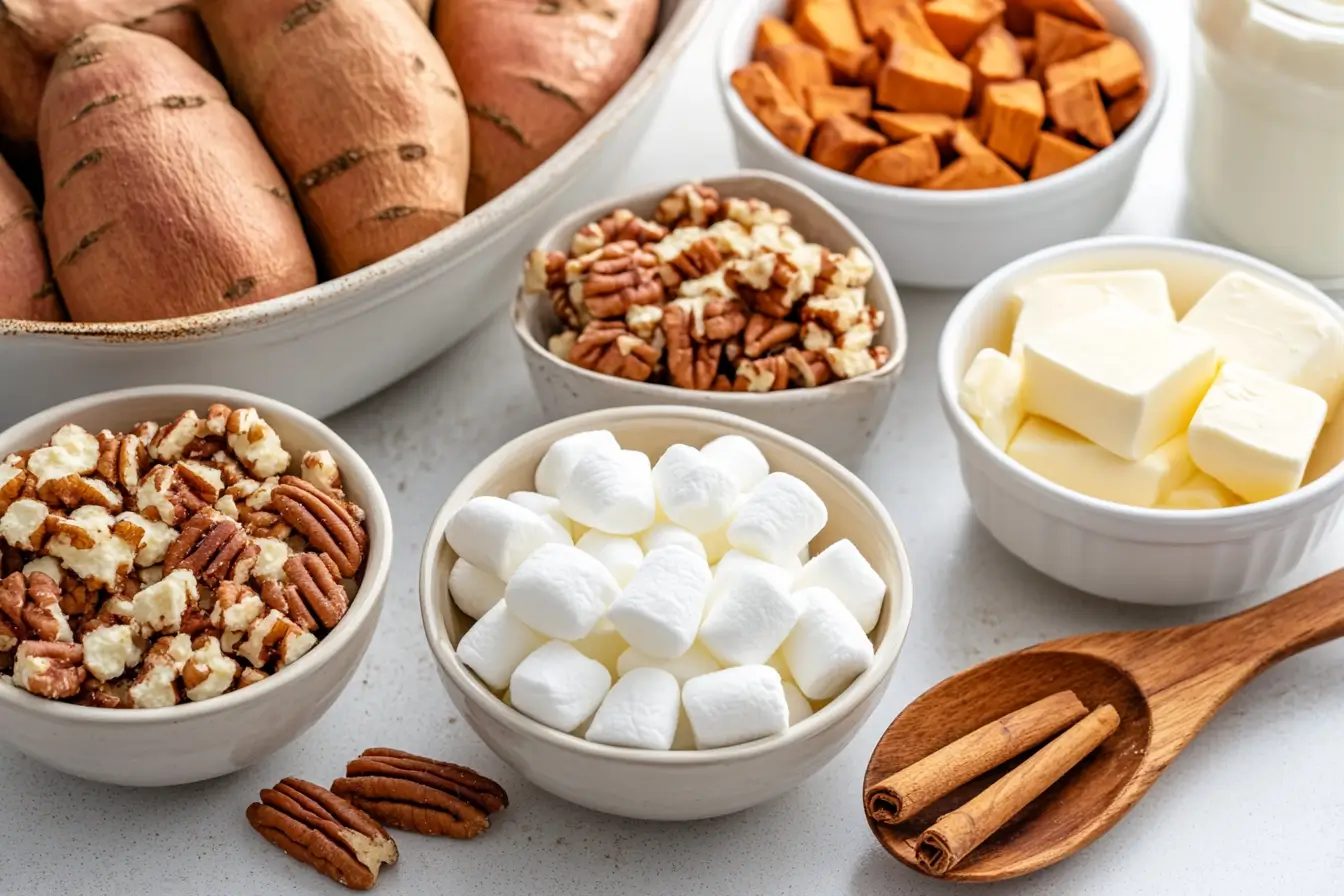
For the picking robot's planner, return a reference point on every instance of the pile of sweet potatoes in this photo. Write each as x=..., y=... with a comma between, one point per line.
x=346, y=133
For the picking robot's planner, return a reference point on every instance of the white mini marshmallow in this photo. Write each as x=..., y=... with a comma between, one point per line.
x=544, y=506
x=619, y=553
x=692, y=492
x=734, y=565
x=753, y=612
x=664, y=535
x=692, y=663
x=660, y=610
x=611, y=492
x=779, y=518
x=799, y=707
x=497, y=535
x=561, y=592
x=496, y=644
x=473, y=589
x=739, y=457
x=735, y=706
x=827, y=649
x=641, y=710
x=845, y=573
x=558, y=686
x=561, y=458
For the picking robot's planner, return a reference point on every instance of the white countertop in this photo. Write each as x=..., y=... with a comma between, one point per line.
x=1256, y=804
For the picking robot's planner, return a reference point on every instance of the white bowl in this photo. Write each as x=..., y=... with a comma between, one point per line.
x=841, y=418
x=952, y=239
x=312, y=349
x=672, y=785
x=196, y=741
x=1132, y=554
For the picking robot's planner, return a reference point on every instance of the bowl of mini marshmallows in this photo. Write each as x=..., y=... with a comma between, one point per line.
x=666, y=613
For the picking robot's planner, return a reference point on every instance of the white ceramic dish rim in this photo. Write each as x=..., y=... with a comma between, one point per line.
x=366, y=601
x=436, y=631
x=488, y=223
x=1140, y=129
x=988, y=290
x=658, y=392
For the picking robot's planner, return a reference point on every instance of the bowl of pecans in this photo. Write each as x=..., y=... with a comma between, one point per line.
x=747, y=293
x=189, y=577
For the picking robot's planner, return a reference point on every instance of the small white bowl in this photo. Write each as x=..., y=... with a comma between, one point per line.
x=195, y=741
x=841, y=418
x=672, y=785
x=1132, y=554
x=952, y=239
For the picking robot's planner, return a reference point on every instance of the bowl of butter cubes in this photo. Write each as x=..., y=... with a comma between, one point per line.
x=1147, y=419
x=664, y=613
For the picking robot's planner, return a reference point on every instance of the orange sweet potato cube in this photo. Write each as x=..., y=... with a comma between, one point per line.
x=902, y=126
x=824, y=100
x=872, y=13
x=1116, y=67
x=770, y=101
x=773, y=32
x=1012, y=115
x=995, y=56
x=1059, y=40
x=831, y=26
x=959, y=22
x=1026, y=46
x=1077, y=109
x=1127, y=108
x=1055, y=154
x=966, y=139
x=975, y=172
x=906, y=164
x=904, y=23
x=915, y=80
x=1080, y=11
x=798, y=65
x=842, y=143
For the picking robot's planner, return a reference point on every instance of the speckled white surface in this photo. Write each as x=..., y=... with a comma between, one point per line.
x=1254, y=806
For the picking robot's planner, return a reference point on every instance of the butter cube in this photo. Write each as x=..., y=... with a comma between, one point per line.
x=1125, y=379
x=1072, y=461
x=1288, y=337
x=1047, y=301
x=1200, y=492
x=991, y=392
x=1255, y=434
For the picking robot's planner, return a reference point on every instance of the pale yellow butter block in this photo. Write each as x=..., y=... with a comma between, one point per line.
x=991, y=392
x=1200, y=492
x=1125, y=379
x=1255, y=434
x=1070, y=460
x=1047, y=301
x=1288, y=337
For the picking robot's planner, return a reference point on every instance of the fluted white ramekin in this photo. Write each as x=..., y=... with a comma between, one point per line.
x=1129, y=553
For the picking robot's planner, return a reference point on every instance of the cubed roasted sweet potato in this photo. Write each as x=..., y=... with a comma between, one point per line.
x=1080, y=11
x=915, y=80
x=1076, y=109
x=824, y=100
x=904, y=23
x=842, y=143
x=907, y=164
x=902, y=126
x=1055, y=154
x=1012, y=113
x=957, y=23
x=831, y=26
x=995, y=56
x=975, y=172
x=770, y=101
x=1059, y=40
x=1123, y=111
x=773, y=32
x=1116, y=67
x=798, y=65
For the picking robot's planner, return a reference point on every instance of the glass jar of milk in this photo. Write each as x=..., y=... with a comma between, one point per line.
x=1266, y=148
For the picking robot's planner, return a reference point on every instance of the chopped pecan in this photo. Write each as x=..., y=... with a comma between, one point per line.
x=412, y=793
x=544, y=270
x=763, y=375
x=691, y=365
x=622, y=224
x=166, y=497
x=693, y=205
x=72, y=492
x=608, y=346
x=319, y=468
x=327, y=524
x=765, y=333
x=250, y=676
x=699, y=259
x=170, y=441
x=316, y=827
x=750, y=212
x=575, y=317
x=608, y=282
x=208, y=546
x=316, y=582
x=104, y=694
x=807, y=368
x=721, y=384
x=15, y=481
x=50, y=669
x=32, y=608
x=122, y=459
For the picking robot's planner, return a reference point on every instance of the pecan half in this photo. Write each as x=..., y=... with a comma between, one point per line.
x=32, y=608
x=208, y=546
x=327, y=523
x=764, y=333
x=694, y=205
x=412, y=793
x=699, y=259
x=122, y=459
x=15, y=481
x=691, y=365
x=763, y=375
x=316, y=827
x=807, y=368
x=615, y=278
x=264, y=523
x=50, y=669
x=608, y=346
x=622, y=224
x=316, y=581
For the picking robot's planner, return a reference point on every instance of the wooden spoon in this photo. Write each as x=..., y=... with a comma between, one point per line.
x=1165, y=683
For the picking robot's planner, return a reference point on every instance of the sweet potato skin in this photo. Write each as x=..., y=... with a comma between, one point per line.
x=357, y=103
x=26, y=289
x=160, y=199
x=534, y=72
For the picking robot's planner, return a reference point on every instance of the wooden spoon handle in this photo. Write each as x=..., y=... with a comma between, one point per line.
x=1287, y=625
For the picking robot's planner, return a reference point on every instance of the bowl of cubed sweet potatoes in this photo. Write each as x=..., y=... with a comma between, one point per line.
x=959, y=134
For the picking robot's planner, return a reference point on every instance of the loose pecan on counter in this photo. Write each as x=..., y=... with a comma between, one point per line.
x=413, y=793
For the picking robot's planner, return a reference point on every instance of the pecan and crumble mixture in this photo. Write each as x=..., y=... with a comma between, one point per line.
x=712, y=294
x=169, y=563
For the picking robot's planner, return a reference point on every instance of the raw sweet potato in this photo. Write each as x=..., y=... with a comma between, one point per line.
x=32, y=32
x=359, y=106
x=26, y=290
x=160, y=199
x=534, y=72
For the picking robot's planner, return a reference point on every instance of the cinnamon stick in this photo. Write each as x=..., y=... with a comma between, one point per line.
x=952, y=837
x=898, y=797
